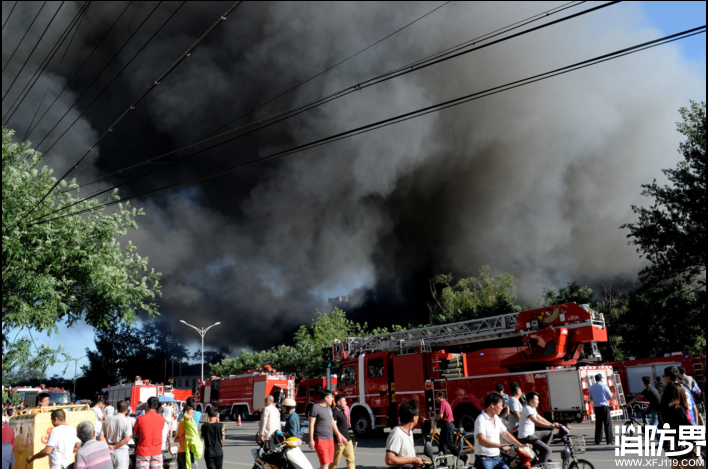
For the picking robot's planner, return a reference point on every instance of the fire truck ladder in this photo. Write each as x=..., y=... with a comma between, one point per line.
x=620, y=390
x=465, y=332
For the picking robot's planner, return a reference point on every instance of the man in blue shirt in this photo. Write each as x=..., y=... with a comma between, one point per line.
x=601, y=395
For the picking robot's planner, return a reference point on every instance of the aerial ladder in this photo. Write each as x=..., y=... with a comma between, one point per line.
x=557, y=335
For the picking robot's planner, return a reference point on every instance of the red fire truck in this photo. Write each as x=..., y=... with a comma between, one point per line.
x=133, y=392
x=244, y=394
x=632, y=370
x=380, y=370
x=308, y=393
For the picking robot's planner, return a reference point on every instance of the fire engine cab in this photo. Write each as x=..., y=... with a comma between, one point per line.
x=308, y=393
x=138, y=391
x=244, y=395
x=378, y=371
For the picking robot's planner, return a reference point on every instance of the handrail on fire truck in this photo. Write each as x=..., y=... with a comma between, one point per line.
x=464, y=332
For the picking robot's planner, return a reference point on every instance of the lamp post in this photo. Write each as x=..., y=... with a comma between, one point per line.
x=201, y=331
x=76, y=361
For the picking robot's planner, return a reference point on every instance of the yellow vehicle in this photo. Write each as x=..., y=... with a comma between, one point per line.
x=32, y=431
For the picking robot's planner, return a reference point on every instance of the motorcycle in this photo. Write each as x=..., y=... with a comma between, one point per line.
x=280, y=453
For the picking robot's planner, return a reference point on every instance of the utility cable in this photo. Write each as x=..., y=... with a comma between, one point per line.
x=23, y=37
x=20, y=98
x=394, y=120
x=9, y=15
x=81, y=66
x=132, y=107
x=54, y=74
x=32, y=52
x=76, y=101
x=326, y=70
x=283, y=115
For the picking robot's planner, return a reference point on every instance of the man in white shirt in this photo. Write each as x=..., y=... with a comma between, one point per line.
x=529, y=420
x=61, y=444
x=515, y=407
x=100, y=417
x=488, y=431
x=270, y=419
x=117, y=432
x=400, y=449
x=109, y=410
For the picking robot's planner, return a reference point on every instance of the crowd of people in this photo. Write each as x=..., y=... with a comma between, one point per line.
x=103, y=442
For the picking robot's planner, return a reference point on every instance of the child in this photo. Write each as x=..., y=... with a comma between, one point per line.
x=213, y=433
x=292, y=420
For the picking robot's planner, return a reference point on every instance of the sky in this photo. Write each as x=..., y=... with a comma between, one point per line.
x=534, y=182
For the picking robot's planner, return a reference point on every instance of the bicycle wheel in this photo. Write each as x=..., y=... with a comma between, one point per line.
x=581, y=464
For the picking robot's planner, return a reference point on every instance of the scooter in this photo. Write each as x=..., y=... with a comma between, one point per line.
x=281, y=453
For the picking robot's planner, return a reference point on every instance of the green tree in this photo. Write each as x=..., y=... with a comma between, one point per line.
x=661, y=320
x=572, y=292
x=669, y=233
x=472, y=297
x=62, y=270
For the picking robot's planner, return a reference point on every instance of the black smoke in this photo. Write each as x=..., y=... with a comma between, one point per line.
x=533, y=182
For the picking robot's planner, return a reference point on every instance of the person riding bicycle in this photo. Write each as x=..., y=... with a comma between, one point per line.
x=488, y=431
x=651, y=414
x=539, y=439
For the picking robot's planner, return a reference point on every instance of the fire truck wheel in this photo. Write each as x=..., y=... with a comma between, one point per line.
x=361, y=423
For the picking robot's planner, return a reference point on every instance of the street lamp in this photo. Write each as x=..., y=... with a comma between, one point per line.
x=201, y=333
x=76, y=361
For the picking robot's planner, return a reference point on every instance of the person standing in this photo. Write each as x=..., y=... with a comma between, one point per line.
x=8, y=435
x=651, y=414
x=43, y=399
x=674, y=413
x=488, y=431
x=672, y=375
x=190, y=446
x=270, y=420
x=601, y=395
x=100, y=416
x=529, y=420
x=323, y=429
x=690, y=382
x=400, y=449
x=292, y=420
x=515, y=408
x=61, y=444
x=192, y=402
x=659, y=385
x=93, y=454
x=8, y=456
x=109, y=410
x=148, y=432
x=117, y=432
x=445, y=423
x=213, y=433
x=342, y=423
x=168, y=413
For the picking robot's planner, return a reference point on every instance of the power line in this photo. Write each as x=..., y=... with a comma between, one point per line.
x=20, y=98
x=327, y=69
x=76, y=101
x=397, y=119
x=9, y=15
x=283, y=115
x=54, y=74
x=81, y=66
x=132, y=107
x=33, y=49
x=23, y=37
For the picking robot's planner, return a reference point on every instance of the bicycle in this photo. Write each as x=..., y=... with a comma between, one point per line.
x=525, y=457
x=461, y=435
x=634, y=419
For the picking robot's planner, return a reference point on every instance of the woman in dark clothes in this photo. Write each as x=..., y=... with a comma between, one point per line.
x=674, y=411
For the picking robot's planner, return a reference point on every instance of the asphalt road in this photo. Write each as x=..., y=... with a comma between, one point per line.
x=370, y=452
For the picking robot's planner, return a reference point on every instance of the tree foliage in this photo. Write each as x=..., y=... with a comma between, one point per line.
x=669, y=233
x=472, y=297
x=304, y=358
x=571, y=293
x=127, y=352
x=63, y=270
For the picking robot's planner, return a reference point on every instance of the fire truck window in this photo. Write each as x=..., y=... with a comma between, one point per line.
x=315, y=390
x=301, y=391
x=376, y=367
x=348, y=376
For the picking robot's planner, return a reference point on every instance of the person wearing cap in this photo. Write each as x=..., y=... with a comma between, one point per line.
x=601, y=395
x=292, y=420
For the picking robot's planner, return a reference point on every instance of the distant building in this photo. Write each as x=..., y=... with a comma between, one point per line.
x=338, y=299
x=188, y=377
